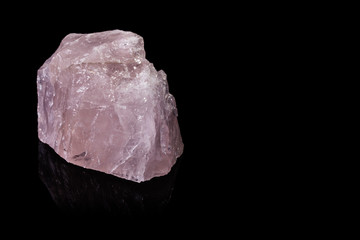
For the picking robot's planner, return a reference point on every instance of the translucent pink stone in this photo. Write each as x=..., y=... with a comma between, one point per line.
x=103, y=106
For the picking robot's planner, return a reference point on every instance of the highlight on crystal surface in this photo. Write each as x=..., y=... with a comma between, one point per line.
x=102, y=105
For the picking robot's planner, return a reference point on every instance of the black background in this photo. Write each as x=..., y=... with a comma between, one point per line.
x=218, y=60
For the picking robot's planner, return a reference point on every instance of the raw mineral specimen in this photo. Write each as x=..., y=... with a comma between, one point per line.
x=103, y=106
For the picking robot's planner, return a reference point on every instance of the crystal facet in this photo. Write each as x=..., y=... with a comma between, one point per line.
x=102, y=105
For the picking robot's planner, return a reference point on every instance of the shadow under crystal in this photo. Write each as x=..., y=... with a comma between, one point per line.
x=78, y=190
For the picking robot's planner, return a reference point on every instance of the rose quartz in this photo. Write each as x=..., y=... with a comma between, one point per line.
x=103, y=106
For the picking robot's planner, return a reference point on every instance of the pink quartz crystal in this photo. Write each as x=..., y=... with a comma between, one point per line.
x=103, y=106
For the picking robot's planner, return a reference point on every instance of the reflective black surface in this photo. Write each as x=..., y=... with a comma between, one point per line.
x=78, y=190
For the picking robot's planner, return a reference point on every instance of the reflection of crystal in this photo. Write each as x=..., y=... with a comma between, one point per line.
x=76, y=189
